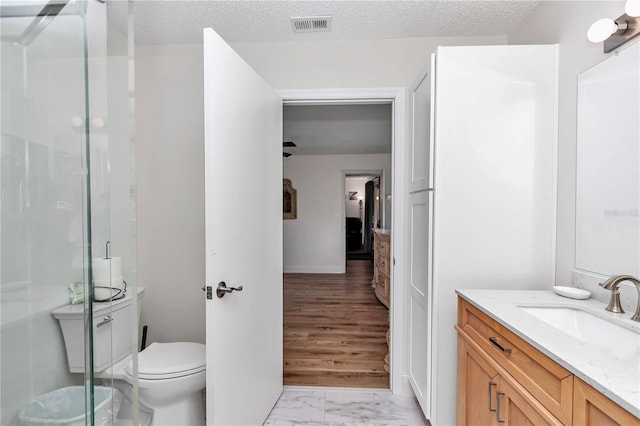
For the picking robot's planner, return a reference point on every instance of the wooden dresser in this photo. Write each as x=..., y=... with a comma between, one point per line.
x=381, y=265
x=381, y=282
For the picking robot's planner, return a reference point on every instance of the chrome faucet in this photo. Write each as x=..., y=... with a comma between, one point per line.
x=612, y=285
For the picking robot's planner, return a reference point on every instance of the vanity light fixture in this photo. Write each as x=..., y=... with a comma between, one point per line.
x=615, y=33
x=632, y=8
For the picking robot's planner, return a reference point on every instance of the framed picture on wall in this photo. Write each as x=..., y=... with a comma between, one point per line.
x=289, y=200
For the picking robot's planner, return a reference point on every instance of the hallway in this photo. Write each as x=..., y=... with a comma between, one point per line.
x=334, y=329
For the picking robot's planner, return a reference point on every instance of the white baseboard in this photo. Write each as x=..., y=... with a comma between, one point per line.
x=334, y=389
x=313, y=269
x=404, y=388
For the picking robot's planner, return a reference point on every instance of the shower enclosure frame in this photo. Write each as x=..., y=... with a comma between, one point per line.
x=92, y=29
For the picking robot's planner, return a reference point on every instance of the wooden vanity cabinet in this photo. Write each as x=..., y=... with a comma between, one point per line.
x=487, y=396
x=591, y=408
x=476, y=377
x=541, y=377
x=503, y=380
x=516, y=406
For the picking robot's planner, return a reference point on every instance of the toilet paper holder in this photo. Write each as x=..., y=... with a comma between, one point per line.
x=107, y=277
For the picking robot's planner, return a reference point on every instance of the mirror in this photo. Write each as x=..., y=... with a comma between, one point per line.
x=608, y=166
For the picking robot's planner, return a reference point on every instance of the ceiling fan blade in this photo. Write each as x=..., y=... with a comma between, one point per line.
x=286, y=154
x=288, y=144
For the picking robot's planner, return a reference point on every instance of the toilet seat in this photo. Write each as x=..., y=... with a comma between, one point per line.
x=169, y=360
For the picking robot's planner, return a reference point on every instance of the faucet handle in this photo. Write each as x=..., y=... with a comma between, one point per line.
x=614, y=303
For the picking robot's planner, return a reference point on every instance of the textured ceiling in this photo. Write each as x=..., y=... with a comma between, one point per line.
x=179, y=22
x=337, y=129
x=324, y=129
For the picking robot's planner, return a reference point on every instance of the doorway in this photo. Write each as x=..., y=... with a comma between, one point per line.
x=362, y=214
x=356, y=97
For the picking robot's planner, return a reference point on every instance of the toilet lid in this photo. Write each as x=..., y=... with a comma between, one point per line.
x=166, y=360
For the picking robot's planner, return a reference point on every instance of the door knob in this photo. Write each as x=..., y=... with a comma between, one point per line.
x=223, y=289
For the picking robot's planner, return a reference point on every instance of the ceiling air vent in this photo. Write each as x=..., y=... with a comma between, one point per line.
x=311, y=24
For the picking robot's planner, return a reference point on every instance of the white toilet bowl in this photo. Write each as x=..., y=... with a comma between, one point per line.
x=171, y=377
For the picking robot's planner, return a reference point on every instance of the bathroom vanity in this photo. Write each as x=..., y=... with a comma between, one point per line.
x=521, y=360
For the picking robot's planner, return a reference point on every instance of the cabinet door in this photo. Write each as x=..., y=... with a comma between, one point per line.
x=590, y=407
x=477, y=384
x=515, y=406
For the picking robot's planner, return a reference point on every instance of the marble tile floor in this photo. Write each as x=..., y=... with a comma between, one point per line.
x=336, y=407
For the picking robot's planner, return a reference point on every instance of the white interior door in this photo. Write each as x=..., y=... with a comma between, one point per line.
x=243, y=190
x=420, y=230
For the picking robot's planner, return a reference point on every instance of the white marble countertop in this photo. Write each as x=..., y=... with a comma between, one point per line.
x=616, y=376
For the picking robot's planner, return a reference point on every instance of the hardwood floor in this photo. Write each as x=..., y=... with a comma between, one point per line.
x=334, y=329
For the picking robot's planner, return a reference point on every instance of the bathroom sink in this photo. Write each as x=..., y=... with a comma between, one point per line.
x=614, y=337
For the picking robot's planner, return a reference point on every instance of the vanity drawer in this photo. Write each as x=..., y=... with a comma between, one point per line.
x=548, y=382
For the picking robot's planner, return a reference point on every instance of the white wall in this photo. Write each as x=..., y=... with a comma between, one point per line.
x=170, y=181
x=313, y=242
x=169, y=133
x=354, y=184
x=346, y=63
x=547, y=24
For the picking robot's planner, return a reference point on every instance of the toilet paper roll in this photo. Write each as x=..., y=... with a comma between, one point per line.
x=105, y=290
x=107, y=269
x=117, y=282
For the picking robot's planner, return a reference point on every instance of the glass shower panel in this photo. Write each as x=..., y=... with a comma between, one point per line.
x=44, y=228
x=113, y=192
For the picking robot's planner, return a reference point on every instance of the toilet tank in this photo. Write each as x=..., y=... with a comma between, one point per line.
x=112, y=331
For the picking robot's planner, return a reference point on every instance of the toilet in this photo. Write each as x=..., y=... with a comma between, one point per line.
x=171, y=376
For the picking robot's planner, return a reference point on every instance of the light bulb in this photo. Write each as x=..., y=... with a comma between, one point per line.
x=601, y=30
x=632, y=8
x=76, y=121
x=97, y=122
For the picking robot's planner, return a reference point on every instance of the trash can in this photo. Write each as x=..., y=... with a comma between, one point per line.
x=66, y=406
